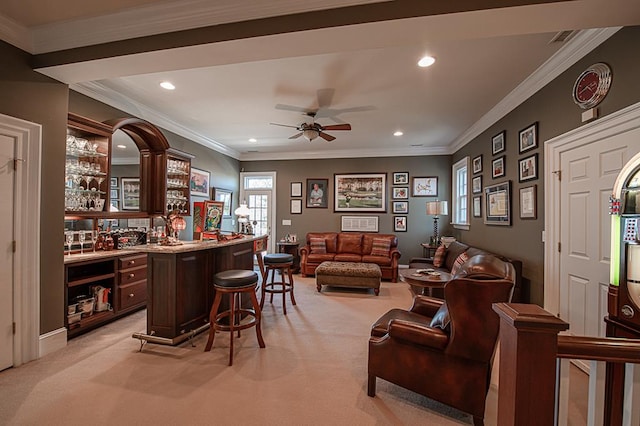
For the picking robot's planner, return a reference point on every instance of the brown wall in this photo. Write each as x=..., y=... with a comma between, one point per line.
x=553, y=108
x=30, y=96
x=419, y=225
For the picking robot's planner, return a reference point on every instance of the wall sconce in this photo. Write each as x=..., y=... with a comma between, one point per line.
x=437, y=208
x=243, y=213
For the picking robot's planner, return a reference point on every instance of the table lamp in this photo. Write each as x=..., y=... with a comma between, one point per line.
x=437, y=208
x=243, y=213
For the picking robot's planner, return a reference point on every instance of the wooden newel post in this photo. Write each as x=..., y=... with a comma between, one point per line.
x=527, y=375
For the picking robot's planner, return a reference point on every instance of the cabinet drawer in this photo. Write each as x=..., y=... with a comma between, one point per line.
x=133, y=294
x=132, y=261
x=131, y=275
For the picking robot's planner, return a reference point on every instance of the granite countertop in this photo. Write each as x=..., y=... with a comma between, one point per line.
x=186, y=246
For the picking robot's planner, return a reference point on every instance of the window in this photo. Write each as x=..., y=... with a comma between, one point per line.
x=460, y=199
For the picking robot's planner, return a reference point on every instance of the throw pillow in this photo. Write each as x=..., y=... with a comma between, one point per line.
x=463, y=257
x=438, y=257
x=380, y=247
x=318, y=245
x=441, y=319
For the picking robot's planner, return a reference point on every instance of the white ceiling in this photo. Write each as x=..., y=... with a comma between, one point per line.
x=487, y=62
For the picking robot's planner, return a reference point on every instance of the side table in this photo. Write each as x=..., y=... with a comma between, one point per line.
x=292, y=249
x=428, y=250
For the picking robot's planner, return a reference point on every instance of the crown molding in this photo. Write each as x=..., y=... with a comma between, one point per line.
x=15, y=34
x=347, y=153
x=120, y=101
x=169, y=17
x=576, y=48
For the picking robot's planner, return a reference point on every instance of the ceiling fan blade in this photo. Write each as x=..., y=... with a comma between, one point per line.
x=296, y=136
x=284, y=107
x=345, y=126
x=326, y=137
x=284, y=125
x=325, y=97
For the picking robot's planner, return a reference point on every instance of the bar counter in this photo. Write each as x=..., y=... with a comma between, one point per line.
x=180, y=281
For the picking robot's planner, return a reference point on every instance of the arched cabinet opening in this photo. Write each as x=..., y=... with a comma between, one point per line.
x=123, y=168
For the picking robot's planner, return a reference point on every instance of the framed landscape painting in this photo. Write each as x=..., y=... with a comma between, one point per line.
x=364, y=192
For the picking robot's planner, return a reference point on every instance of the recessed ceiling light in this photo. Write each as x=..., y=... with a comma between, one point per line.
x=253, y=140
x=167, y=85
x=122, y=146
x=426, y=61
x=398, y=133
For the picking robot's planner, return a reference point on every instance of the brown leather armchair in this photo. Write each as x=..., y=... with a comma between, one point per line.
x=443, y=349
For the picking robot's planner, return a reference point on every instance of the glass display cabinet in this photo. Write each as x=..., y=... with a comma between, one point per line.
x=87, y=166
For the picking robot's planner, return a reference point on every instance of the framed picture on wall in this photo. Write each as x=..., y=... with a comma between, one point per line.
x=226, y=196
x=528, y=168
x=317, y=193
x=476, y=185
x=400, y=223
x=400, y=207
x=401, y=178
x=400, y=192
x=199, y=182
x=296, y=206
x=528, y=208
x=364, y=192
x=528, y=137
x=477, y=164
x=497, y=204
x=130, y=193
x=114, y=182
x=498, y=142
x=477, y=206
x=497, y=167
x=425, y=186
x=296, y=189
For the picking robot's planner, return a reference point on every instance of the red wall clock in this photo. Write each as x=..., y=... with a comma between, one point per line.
x=592, y=85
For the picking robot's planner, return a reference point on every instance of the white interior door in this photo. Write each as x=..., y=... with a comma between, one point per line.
x=588, y=173
x=7, y=154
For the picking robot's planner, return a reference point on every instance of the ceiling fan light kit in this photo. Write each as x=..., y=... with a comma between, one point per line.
x=312, y=130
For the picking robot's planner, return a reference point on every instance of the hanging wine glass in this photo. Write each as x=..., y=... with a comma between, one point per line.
x=81, y=238
x=68, y=236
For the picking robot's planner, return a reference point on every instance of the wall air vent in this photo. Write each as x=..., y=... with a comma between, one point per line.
x=562, y=36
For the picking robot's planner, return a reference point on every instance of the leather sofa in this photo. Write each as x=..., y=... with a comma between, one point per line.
x=350, y=247
x=444, y=349
x=520, y=292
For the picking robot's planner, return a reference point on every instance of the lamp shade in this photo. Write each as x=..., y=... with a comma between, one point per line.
x=243, y=210
x=437, y=208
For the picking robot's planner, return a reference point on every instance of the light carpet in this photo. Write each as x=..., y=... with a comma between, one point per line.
x=313, y=371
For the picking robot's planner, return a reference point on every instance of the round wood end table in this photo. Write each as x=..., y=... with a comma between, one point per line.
x=424, y=280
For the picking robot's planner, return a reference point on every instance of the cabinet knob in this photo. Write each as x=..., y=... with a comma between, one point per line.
x=131, y=275
x=132, y=262
x=131, y=295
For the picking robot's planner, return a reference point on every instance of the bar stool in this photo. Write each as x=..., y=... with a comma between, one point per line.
x=282, y=263
x=234, y=282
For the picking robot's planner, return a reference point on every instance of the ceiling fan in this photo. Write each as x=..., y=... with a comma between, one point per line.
x=312, y=130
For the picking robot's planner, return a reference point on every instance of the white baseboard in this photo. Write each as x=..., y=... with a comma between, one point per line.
x=52, y=341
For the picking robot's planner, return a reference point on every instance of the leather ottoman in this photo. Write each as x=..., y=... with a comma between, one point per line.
x=349, y=274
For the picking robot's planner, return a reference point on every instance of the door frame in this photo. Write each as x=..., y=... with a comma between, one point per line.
x=26, y=284
x=622, y=121
x=274, y=207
